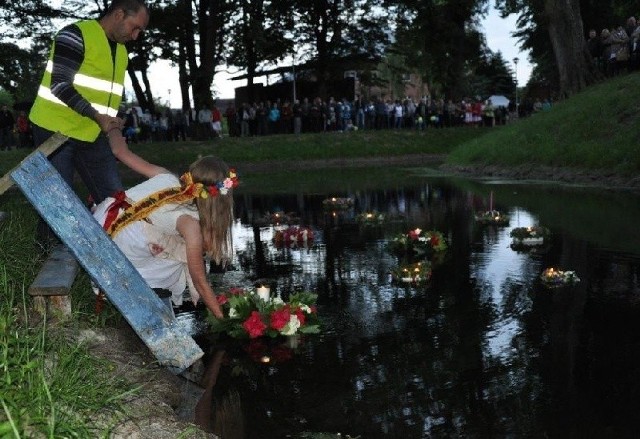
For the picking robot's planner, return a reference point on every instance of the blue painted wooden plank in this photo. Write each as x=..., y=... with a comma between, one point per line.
x=105, y=262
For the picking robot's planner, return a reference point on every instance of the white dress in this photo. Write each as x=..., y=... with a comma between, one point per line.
x=167, y=269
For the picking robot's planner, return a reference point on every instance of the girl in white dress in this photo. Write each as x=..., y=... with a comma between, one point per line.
x=166, y=225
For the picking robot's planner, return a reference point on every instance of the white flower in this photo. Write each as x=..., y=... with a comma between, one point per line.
x=291, y=327
x=305, y=308
x=233, y=313
x=277, y=300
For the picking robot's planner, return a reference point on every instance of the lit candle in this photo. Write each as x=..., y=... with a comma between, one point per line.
x=263, y=292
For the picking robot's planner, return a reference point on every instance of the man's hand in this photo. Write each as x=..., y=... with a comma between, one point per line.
x=108, y=123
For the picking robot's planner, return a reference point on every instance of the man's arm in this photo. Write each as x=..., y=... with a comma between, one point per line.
x=130, y=159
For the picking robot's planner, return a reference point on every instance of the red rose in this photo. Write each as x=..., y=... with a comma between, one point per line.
x=301, y=316
x=280, y=318
x=434, y=240
x=236, y=291
x=254, y=325
x=413, y=235
x=222, y=299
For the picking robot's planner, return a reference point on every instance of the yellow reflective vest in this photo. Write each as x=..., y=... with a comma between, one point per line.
x=100, y=80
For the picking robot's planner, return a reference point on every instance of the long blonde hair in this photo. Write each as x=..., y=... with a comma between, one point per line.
x=216, y=213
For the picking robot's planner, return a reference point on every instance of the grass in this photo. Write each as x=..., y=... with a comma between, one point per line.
x=50, y=386
x=594, y=130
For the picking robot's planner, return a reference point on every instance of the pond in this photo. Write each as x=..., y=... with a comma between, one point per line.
x=483, y=349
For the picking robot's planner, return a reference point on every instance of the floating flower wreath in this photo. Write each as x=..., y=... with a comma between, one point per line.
x=337, y=203
x=293, y=236
x=416, y=273
x=418, y=242
x=529, y=236
x=557, y=278
x=246, y=315
x=492, y=217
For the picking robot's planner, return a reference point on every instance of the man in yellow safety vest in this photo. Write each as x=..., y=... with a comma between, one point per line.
x=80, y=95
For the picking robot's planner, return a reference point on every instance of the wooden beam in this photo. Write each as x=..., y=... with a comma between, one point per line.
x=57, y=274
x=105, y=263
x=50, y=289
x=47, y=148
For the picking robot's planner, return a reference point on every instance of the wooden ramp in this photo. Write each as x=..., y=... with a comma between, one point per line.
x=104, y=261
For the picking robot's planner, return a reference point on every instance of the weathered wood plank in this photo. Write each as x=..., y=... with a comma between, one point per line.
x=57, y=274
x=105, y=263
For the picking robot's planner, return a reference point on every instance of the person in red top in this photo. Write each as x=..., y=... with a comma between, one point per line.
x=216, y=121
x=24, y=131
x=476, y=112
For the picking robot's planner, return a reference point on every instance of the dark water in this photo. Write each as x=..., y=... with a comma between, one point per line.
x=482, y=350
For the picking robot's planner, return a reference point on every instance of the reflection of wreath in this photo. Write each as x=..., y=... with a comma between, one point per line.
x=416, y=273
x=337, y=203
x=279, y=217
x=293, y=236
x=370, y=218
x=492, y=217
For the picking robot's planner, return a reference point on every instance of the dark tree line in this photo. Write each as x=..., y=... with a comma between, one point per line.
x=439, y=39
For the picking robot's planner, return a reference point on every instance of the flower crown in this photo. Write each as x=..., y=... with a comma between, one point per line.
x=212, y=190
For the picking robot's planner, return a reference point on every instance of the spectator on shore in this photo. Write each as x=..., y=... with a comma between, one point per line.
x=297, y=117
x=6, y=128
x=230, y=115
x=245, y=116
x=274, y=118
x=216, y=122
x=204, y=123
x=23, y=127
x=594, y=44
x=488, y=114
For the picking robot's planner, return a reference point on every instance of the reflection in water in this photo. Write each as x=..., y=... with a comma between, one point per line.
x=483, y=350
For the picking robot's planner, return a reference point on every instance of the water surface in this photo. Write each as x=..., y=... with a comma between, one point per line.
x=483, y=350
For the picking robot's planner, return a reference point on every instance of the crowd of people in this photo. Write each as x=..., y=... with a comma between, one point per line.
x=616, y=50
x=285, y=117
x=312, y=116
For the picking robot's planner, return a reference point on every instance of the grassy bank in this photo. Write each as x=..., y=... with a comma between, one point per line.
x=595, y=130
x=50, y=386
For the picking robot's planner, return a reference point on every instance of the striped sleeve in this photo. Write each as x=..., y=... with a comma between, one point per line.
x=68, y=55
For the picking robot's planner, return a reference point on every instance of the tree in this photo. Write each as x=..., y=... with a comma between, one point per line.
x=566, y=32
x=492, y=75
x=340, y=35
x=541, y=22
x=259, y=35
x=441, y=40
x=20, y=71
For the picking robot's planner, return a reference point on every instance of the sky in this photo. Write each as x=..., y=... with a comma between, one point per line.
x=164, y=78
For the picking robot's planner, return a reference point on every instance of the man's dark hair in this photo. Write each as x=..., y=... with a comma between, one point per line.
x=130, y=7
